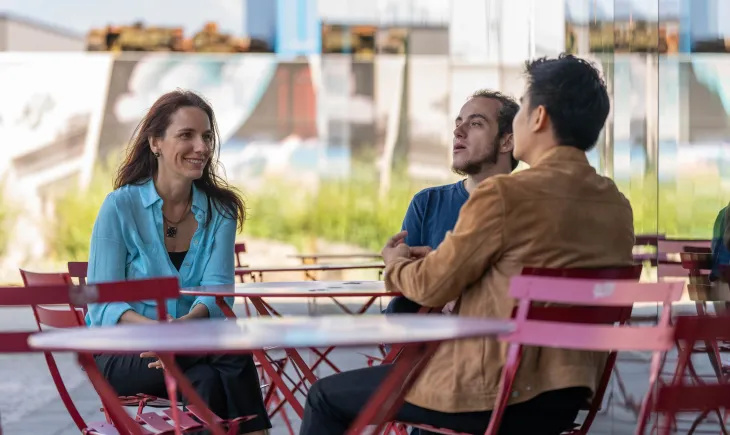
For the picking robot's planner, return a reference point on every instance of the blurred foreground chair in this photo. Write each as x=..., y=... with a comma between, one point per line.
x=40, y=293
x=589, y=323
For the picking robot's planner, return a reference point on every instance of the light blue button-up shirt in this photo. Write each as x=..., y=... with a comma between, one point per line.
x=128, y=243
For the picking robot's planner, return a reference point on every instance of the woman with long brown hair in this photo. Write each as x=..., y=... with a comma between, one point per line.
x=171, y=215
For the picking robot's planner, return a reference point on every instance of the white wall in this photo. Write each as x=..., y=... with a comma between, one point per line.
x=417, y=12
x=20, y=36
x=506, y=31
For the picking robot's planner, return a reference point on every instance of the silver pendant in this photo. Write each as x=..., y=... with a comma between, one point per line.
x=171, y=232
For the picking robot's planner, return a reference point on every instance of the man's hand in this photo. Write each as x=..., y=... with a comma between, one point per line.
x=397, y=248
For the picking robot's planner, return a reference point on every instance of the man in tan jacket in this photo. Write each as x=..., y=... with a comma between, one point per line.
x=558, y=213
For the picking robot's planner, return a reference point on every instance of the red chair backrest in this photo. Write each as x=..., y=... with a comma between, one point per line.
x=668, y=267
x=584, y=314
x=675, y=246
x=68, y=317
x=589, y=292
x=598, y=303
x=158, y=289
x=239, y=248
x=78, y=270
x=696, y=263
x=698, y=249
x=632, y=272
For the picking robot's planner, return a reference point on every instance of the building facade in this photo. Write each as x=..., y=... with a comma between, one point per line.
x=21, y=34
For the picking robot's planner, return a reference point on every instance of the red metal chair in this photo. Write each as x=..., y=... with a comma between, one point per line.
x=620, y=315
x=79, y=269
x=71, y=296
x=629, y=273
x=678, y=397
x=588, y=326
x=238, y=249
x=583, y=328
x=71, y=317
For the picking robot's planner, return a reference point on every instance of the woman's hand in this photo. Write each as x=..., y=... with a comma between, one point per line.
x=155, y=364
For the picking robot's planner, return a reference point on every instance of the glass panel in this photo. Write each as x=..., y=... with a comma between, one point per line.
x=709, y=29
x=694, y=183
x=429, y=120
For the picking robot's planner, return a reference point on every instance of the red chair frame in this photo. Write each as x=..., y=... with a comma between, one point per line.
x=680, y=397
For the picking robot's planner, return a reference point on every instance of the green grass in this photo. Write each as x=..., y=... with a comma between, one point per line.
x=340, y=211
x=351, y=211
x=74, y=217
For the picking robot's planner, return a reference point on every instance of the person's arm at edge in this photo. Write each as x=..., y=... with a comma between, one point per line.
x=219, y=270
x=460, y=259
x=726, y=229
x=107, y=263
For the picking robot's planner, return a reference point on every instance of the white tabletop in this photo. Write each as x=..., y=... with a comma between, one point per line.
x=294, y=288
x=221, y=336
x=311, y=267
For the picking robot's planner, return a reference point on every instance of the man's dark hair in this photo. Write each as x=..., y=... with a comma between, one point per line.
x=573, y=94
x=505, y=116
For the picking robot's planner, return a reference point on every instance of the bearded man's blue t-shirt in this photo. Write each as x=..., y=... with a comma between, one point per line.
x=431, y=214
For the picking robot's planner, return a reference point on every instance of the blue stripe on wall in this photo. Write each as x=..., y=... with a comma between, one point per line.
x=298, y=28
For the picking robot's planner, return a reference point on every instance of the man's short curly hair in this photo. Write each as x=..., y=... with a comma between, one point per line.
x=505, y=116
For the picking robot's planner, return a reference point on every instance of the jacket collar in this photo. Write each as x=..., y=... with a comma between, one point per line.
x=562, y=153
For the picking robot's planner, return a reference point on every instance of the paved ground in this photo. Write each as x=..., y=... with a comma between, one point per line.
x=29, y=403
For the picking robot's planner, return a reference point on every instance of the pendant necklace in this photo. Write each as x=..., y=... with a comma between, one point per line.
x=170, y=226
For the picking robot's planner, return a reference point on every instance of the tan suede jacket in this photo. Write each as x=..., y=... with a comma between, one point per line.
x=559, y=213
